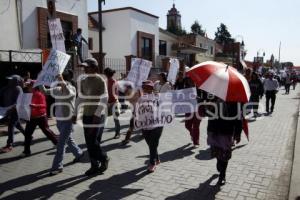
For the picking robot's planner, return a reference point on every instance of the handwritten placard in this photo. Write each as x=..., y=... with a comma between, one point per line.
x=56, y=63
x=23, y=106
x=174, y=67
x=57, y=35
x=139, y=71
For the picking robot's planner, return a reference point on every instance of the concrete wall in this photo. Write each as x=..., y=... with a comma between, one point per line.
x=30, y=21
x=207, y=44
x=170, y=41
x=9, y=34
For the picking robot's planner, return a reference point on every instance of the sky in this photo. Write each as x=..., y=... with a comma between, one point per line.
x=262, y=24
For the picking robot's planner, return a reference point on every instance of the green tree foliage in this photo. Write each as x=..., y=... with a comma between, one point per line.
x=196, y=28
x=175, y=30
x=222, y=36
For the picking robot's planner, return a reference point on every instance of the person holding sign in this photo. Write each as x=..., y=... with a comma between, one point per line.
x=8, y=97
x=64, y=93
x=38, y=118
x=92, y=96
x=162, y=85
x=151, y=135
x=113, y=102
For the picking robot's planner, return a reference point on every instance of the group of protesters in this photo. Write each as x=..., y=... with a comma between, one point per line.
x=98, y=96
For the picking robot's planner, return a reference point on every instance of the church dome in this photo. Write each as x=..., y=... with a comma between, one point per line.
x=173, y=11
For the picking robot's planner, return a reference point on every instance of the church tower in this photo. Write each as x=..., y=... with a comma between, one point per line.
x=173, y=18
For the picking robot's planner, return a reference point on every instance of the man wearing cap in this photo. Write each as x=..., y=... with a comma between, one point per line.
x=92, y=96
x=8, y=97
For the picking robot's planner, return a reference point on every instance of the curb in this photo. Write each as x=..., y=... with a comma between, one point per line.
x=294, y=192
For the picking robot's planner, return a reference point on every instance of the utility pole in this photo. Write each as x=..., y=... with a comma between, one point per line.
x=101, y=56
x=279, y=54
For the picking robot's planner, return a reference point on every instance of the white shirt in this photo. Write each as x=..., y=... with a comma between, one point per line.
x=158, y=88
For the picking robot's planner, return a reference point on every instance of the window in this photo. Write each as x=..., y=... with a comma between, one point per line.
x=146, y=48
x=211, y=50
x=90, y=43
x=200, y=45
x=162, y=48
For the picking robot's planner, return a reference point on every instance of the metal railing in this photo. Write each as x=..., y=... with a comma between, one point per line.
x=20, y=56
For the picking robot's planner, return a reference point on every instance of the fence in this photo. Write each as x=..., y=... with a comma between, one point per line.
x=20, y=56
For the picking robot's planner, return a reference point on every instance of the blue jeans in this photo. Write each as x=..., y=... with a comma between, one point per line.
x=13, y=122
x=65, y=128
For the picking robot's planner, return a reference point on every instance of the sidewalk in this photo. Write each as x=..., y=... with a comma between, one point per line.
x=260, y=169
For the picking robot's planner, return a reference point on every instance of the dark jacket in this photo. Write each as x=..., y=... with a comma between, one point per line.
x=256, y=88
x=219, y=125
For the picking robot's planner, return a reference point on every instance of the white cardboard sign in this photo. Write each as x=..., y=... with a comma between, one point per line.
x=174, y=67
x=57, y=35
x=23, y=106
x=139, y=71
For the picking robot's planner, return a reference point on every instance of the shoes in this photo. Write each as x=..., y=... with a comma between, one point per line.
x=157, y=162
x=92, y=171
x=196, y=146
x=55, y=172
x=77, y=159
x=221, y=181
x=104, y=165
x=6, y=149
x=23, y=155
x=117, y=136
x=151, y=168
x=125, y=142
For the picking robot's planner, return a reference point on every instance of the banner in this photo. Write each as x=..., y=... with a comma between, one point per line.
x=23, y=106
x=57, y=35
x=184, y=101
x=139, y=71
x=152, y=112
x=56, y=63
x=174, y=67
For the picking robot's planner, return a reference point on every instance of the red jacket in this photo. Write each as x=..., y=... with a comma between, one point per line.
x=38, y=104
x=112, y=90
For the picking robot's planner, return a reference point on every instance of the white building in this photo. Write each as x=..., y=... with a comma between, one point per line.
x=127, y=31
x=24, y=23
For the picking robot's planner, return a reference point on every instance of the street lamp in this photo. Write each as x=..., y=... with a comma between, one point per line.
x=101, y=64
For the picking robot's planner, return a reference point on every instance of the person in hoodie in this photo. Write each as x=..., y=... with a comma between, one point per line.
x=257, y=92
x=38, y=118
x=9, y=96
x=65, y=94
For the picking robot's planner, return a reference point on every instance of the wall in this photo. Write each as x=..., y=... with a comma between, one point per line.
x=207, y=44
x=30, y=21
x=9, y=35
x=170, y=41
x=144, y=23
x=94, y=33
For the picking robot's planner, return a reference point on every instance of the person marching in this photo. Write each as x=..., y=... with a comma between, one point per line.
x=113, y=103
x=224, y=127
x=257, y=92
x=271, y=87
x=92, y=97
x=38, y=118
x=8, y=97
x=64, y=94
x=151, y=135
x=162, y=85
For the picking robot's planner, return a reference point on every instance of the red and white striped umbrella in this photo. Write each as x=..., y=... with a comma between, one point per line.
x=220, y=80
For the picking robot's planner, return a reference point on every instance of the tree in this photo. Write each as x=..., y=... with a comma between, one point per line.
x=222, y=36
x=196, y=28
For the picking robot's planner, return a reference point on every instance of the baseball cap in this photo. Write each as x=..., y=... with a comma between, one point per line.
x=148, y=83
x=90, y=62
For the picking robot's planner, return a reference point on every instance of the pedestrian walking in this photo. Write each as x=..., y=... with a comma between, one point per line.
x=223, y=130
x=257, y=92
x=93, y=98
x=8, y=97
x=151, y=135
x=64, y=93
x=113, y=102
x=288, y=82
x=180, y=82
x=271, y=87
x=38, y=118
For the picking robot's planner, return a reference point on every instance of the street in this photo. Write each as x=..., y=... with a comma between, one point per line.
x=259, y=169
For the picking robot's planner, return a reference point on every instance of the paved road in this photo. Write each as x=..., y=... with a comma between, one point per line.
x=259, y=169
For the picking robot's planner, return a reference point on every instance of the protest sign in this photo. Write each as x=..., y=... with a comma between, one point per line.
x=23, y=106
x=174, y=67
x=57, y=35
x=55, y=65
x=184, y=101
x=151, y=112
x=139, y=71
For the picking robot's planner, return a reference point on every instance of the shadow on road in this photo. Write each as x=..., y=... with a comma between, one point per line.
x=204, y=191
x=113, y=187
